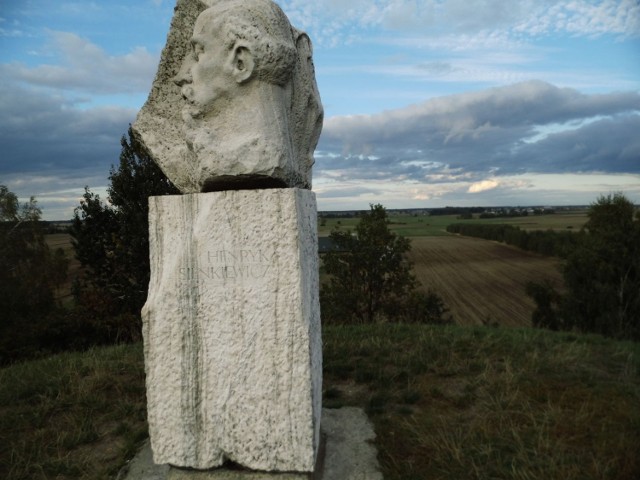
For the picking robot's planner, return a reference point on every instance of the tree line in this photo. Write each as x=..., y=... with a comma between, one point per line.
x=549, y=242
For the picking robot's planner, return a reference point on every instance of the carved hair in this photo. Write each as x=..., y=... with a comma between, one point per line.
x=266, y=29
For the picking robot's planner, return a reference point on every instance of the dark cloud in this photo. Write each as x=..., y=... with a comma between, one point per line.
x=46, y=136
x=495, y=131
x=610, y=145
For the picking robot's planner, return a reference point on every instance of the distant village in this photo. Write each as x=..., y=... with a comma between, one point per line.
x=462, y=212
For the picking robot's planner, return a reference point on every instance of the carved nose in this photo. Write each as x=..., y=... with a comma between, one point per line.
x=184, y=75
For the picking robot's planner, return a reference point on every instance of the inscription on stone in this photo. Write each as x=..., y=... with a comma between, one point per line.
x=227, y=265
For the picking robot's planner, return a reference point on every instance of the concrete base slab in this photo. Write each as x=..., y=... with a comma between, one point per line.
x=349, y=455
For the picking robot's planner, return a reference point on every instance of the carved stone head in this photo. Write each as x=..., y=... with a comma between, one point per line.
x=235, y=103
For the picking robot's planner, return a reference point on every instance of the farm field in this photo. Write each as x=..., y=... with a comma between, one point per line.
x=405, y=225
x=63, y=241
x=481, y=281
x=425, y=225
x=569, y=220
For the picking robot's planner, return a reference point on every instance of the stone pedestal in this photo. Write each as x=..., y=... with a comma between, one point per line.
x=231, y=327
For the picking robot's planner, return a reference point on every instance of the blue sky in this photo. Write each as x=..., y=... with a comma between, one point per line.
x=427, y=102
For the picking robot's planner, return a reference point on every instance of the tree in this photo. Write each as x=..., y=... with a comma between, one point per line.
x=370, y=276
x=111, y=240
x=601, y=274
x=29, y=272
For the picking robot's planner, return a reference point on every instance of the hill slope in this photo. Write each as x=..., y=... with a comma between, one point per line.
x=447, y=403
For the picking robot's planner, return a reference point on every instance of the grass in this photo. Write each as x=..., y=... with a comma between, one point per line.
x=458, y=402
x=72, y=416
x=405, y=225
x=447, y=403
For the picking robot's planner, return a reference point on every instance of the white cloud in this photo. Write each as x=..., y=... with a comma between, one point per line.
x=333, y=21
x=86, y=67
x=584, y=18
x=483, y=186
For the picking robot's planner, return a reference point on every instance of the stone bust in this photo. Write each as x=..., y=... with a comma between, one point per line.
x=242, y=109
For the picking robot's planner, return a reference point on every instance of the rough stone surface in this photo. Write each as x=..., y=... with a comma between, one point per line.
x=350, y=455
x=245, y=115
x=232, y=330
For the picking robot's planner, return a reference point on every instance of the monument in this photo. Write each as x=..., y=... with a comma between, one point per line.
x=231, y=326
x=235, y=102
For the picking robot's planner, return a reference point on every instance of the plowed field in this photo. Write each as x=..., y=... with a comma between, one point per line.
x=479, y=280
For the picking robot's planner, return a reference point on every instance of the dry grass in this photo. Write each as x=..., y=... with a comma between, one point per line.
x=481, y=403
x=447, y=402
x=481, y=282
x=72, y=416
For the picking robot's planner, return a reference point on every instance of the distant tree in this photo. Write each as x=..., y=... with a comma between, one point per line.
x=601, y=274
x=111, y=240
x=29, y=272
x=370, y=276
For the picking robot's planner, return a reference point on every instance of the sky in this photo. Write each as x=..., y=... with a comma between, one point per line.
x=428, y=103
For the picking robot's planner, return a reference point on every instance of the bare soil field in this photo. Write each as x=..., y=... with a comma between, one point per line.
x=63, y=241
x=481, y=282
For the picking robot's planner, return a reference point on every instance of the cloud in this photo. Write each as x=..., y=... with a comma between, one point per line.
x=492, y=132
x=343, y=192
x=53, y=151
x=85, y=67
x=44, y=138
x=334, y=22
x=483, y=186
x=580, y=17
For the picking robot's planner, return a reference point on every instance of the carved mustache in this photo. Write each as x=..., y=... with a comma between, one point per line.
x=187, y=93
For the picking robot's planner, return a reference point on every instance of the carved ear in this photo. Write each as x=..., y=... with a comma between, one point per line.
x=243, y=64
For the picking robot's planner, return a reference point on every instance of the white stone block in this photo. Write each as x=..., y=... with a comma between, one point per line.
x=231, y=327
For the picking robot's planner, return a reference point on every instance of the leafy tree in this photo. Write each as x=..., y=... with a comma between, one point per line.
x=370, y=276
x=601, y=274
x=29, y=272
x=111, y=240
